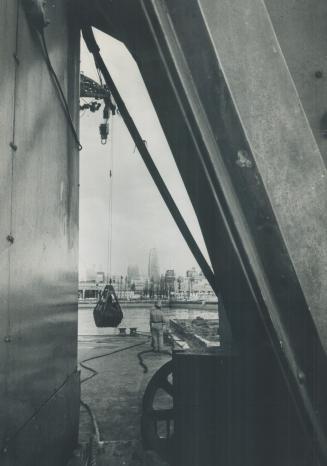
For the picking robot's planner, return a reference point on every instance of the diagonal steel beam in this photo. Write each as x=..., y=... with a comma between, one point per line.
x=270, y=118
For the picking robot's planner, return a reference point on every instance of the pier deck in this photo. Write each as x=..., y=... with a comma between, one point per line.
x=115, y=397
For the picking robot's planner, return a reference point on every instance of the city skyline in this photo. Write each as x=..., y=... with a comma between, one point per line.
x=154, y=265
x=132, y=286
x=140, y=219
x=134, y=272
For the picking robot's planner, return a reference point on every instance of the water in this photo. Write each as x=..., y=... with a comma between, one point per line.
x=136, y=317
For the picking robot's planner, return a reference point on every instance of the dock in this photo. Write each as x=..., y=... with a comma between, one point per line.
x=115, y=397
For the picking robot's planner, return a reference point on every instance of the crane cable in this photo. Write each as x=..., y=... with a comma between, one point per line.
x=59, y=90
x=110, y=202
x=35, y=14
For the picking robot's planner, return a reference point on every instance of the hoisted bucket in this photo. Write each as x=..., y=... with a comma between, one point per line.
x=107, y=312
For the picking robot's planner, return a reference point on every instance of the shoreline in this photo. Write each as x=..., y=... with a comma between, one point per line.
x=148, y=304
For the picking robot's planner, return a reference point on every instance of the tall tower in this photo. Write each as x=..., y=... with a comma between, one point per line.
x=153, y=267
x=133, y=272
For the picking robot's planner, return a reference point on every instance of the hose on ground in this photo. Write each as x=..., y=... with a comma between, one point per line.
x=141, y=360
x=94, y=372
x=95, y=425
x=95, y=441
x=142, y=363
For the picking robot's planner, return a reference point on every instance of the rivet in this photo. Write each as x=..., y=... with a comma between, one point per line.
x=7, y=339
x=243, y=159
x=16, y=58
x=13, y=146
x=301, y=377
x=10, y=239
x=318, y=74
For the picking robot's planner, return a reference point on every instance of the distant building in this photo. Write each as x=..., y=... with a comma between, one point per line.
x=90, y=274
x=138, y=285
x=116, y=279
x=194, y=286
x=100, y=277
x=170, y=280
x=181, y=284
x=133, y=273
x=89, y=290
x=153, y=266
x=192, y=273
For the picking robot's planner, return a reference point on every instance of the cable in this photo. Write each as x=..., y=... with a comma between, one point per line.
x=8, y=441
x=141, y=361
x=59, y=88
x=110, y=202
x=94, y=421
x=94, y=372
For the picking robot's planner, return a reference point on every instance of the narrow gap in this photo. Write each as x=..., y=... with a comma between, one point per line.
x=129, y=240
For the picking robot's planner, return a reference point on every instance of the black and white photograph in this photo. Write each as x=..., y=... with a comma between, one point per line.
x=163, y=233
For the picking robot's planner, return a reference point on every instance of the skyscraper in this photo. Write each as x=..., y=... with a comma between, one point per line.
x=153, y=267
x=133, y=272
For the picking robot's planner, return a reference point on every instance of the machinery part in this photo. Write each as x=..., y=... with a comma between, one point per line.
x=107, y=312
x=154, y=437
x=104, y=131
x=91, y=89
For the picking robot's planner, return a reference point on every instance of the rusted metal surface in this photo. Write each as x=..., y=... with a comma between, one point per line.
x=39, y=211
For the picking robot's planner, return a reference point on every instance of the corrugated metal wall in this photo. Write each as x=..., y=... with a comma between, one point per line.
x=39, y=385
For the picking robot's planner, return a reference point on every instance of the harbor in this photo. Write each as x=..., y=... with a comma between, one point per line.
x=137, y=316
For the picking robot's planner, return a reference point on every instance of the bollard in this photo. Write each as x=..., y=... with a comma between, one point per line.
x=133, y=331
x=122, y=331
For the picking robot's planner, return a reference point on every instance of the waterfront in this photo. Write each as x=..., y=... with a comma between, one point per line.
x=116, y=390
x=136, y=317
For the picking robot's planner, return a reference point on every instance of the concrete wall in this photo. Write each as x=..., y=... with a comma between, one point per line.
x=39, y=385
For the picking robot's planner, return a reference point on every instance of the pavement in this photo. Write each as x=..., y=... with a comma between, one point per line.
x=114, y=395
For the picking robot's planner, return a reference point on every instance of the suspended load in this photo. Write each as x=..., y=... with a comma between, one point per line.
x=107, y=312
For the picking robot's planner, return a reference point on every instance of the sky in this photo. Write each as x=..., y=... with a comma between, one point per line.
x=140, y=219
